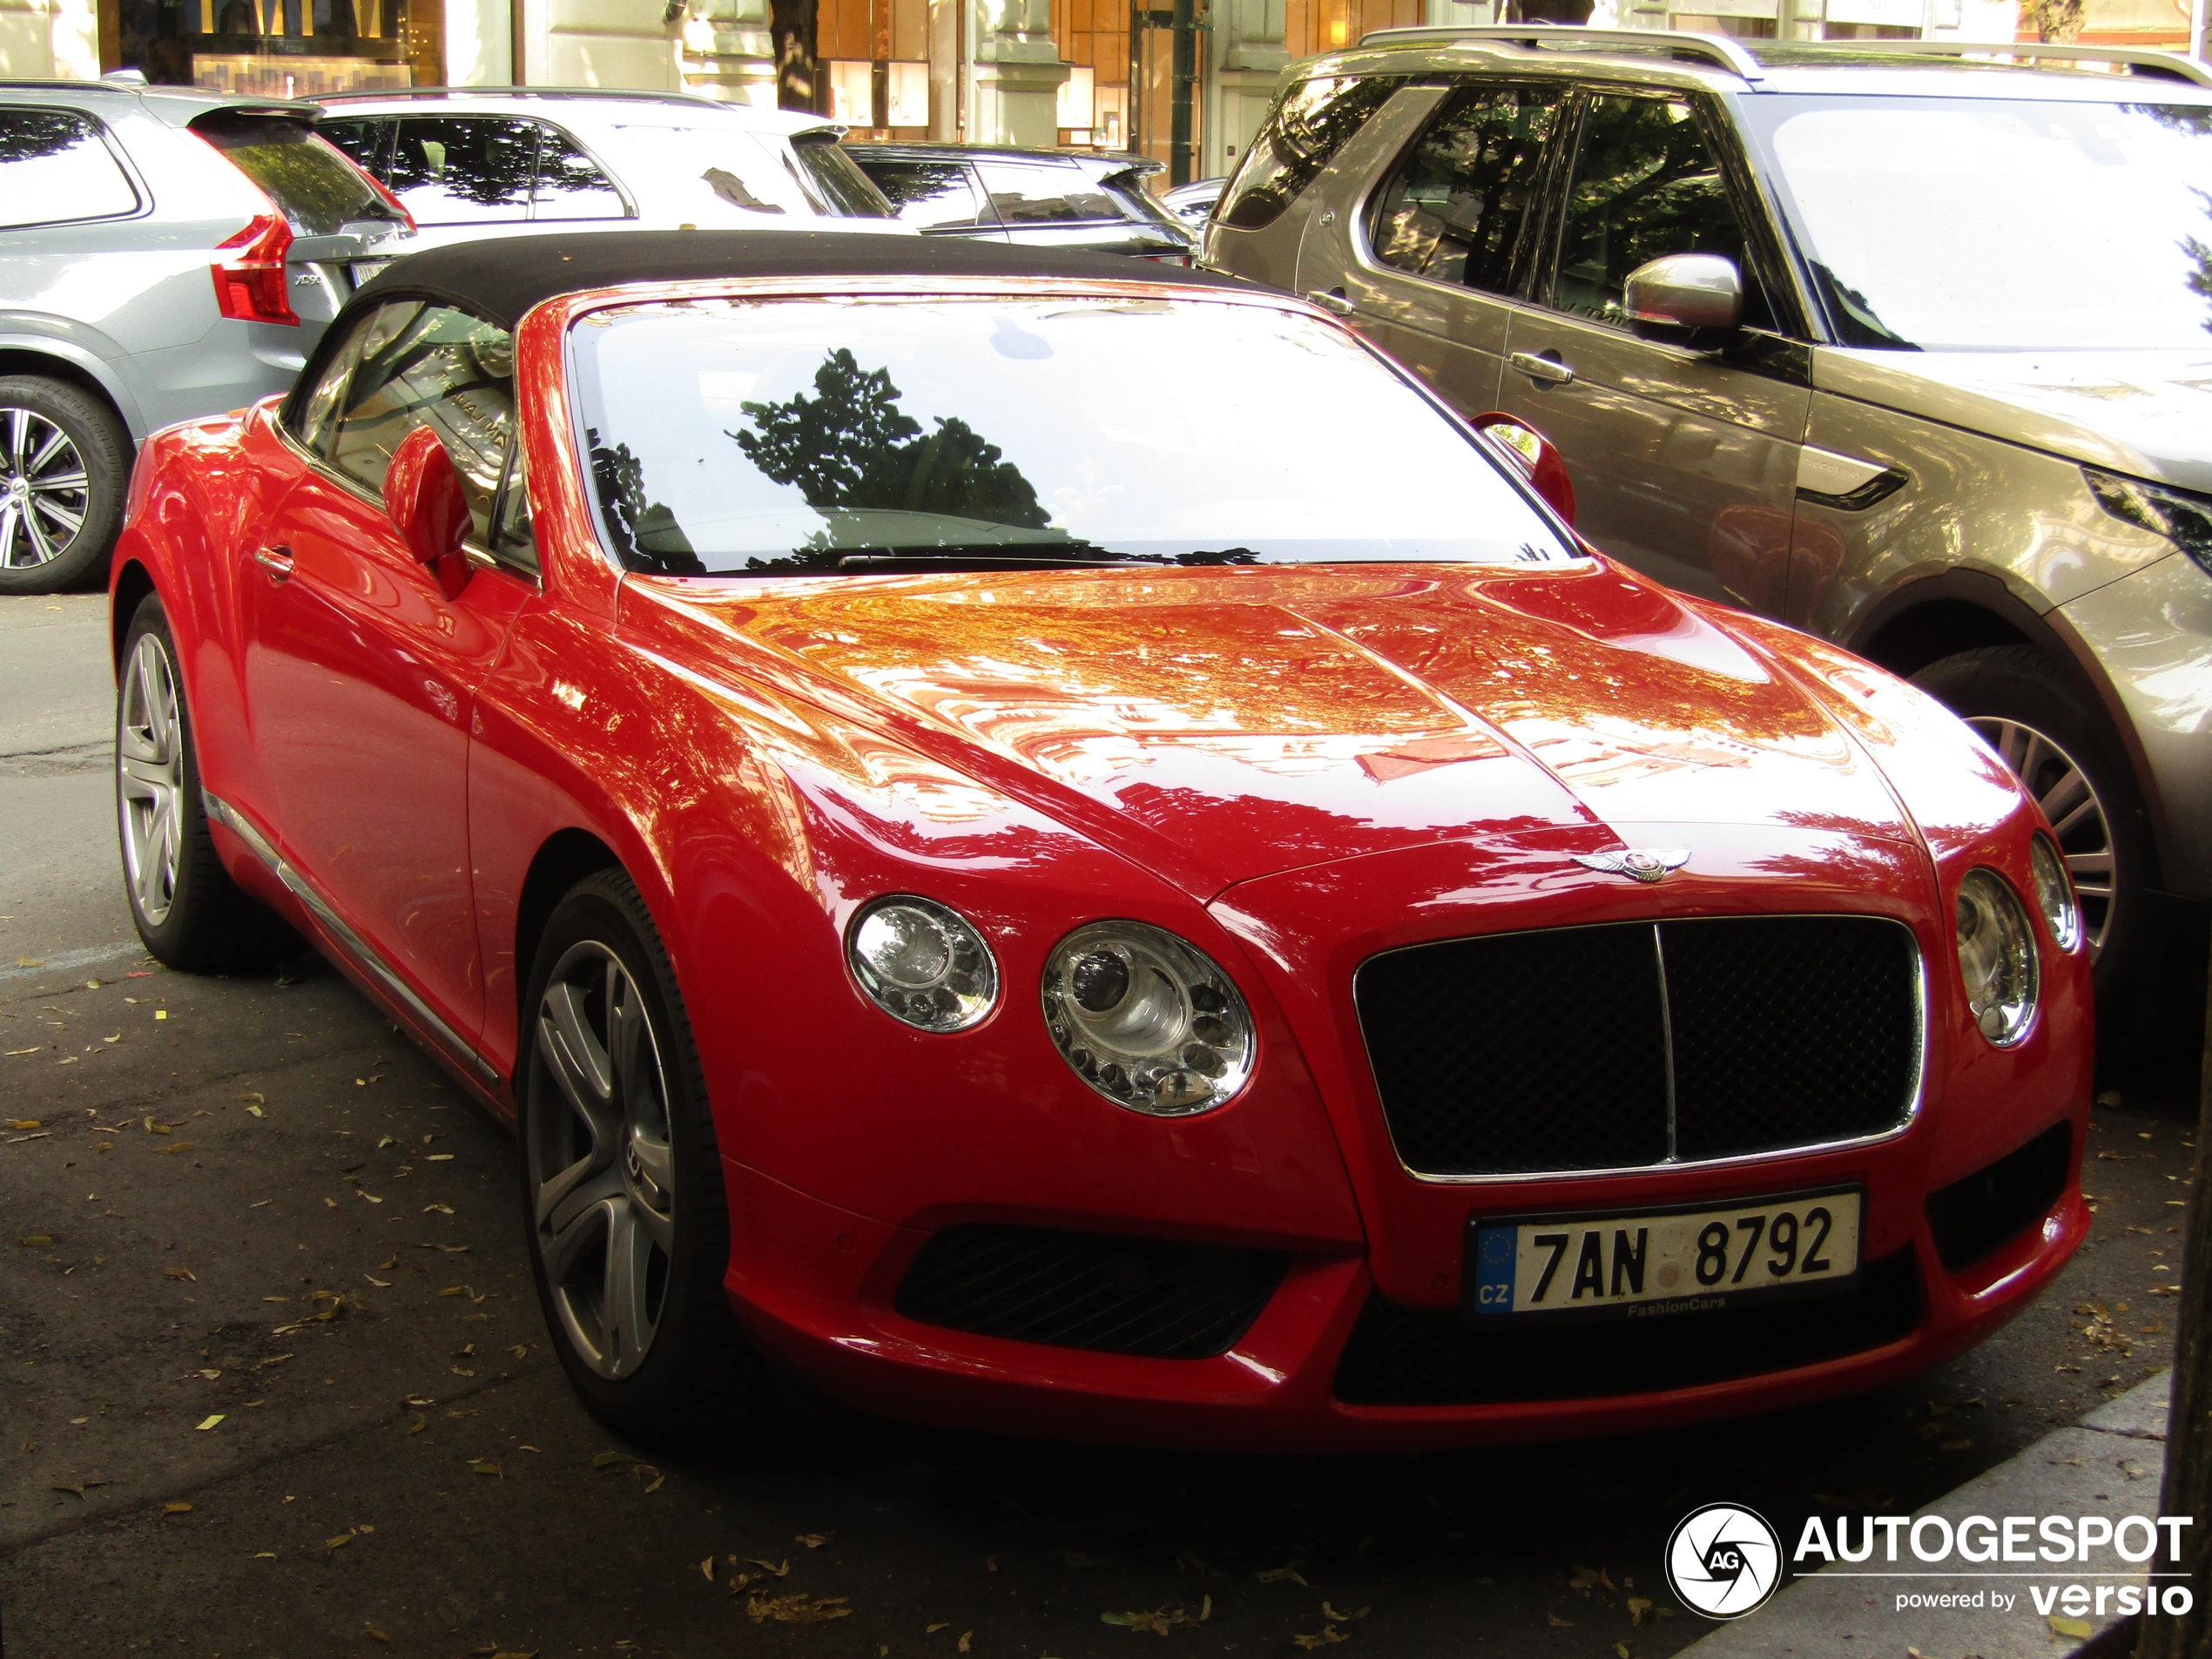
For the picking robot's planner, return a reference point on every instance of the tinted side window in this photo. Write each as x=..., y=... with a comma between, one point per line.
x=464, y=169
x=362, y=139
x=1309, y=125
x=930, y=195
x=54, y=167
x=569, y=184
x=1458, y=209
x=412, y=364
x=1647, y=183
x=1027, y=193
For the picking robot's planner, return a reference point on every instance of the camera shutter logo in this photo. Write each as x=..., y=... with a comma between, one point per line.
x=1724, y=1561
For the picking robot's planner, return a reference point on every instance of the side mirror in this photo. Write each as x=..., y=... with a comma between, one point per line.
x=423, y=494
x=1532, y=454
x=1687, y=291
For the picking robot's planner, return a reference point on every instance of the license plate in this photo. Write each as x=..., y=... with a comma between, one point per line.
x=1676, y=1260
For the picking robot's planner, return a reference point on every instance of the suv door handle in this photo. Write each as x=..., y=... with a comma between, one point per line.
x=277, y=561
x=1549, y=370
x=1332, y=300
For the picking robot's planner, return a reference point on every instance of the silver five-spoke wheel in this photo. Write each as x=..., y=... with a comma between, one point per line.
x=45, y=489
x=2069, y=798
x=601, y=1167
x=149, y=760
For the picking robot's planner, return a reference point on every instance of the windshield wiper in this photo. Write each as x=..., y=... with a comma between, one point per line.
x=996, y=555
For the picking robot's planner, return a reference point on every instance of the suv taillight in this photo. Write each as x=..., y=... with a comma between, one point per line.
x=253, y=287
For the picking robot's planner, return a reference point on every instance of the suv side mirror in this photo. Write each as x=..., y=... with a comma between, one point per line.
x=423, y=494
x=1687, y=291
x=1532, y=455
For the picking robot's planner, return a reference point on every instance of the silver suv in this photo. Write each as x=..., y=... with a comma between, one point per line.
x=1905, y=349
x=163, y=253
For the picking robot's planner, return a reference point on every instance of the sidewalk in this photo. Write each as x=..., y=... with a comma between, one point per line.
x=2110, y=1463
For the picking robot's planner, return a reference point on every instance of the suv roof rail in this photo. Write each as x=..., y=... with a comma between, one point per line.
x=2137, y=60
x=1714, y=52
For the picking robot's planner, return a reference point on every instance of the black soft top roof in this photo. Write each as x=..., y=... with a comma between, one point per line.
x=500, y=279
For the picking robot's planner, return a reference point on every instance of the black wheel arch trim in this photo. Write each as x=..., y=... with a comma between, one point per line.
x=2049, y=632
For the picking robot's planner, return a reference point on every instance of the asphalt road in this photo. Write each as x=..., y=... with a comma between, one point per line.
x=272, y=1382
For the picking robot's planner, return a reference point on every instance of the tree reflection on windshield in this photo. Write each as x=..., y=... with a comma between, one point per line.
x=851, y=446
x=645, y=533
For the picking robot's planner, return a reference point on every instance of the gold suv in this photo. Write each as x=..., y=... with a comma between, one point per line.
x=1906, y=345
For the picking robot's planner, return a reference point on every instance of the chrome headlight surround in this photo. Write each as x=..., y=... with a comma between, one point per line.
x=1147, y=1019
x=2054, y=893
x=921, y=962
x=1998, y=963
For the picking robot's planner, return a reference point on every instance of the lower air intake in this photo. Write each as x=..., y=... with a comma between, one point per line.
x=1102, y=1291
x=1980, y=1215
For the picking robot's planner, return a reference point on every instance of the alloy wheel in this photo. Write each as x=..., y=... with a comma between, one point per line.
x=150, y=768
x=2063, y=790
x=45, y=491
x=601, y=1167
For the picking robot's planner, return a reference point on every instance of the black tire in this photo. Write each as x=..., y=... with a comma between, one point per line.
x=648, y=1147
x=208, y=925
x=44, y=405
x=2018, y=685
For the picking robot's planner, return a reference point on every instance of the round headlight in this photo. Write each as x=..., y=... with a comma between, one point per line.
x=922, y=963
x=2054, y=893
x=1996, y=957
x=1147, y=1020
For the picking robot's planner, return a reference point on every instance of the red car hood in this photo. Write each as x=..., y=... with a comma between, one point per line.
x=1223, y=725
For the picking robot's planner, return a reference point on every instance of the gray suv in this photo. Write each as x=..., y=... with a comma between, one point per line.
x=1907, y=350
x=163, y=253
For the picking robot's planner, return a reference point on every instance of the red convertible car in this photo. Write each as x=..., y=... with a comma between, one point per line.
x=1045, y=847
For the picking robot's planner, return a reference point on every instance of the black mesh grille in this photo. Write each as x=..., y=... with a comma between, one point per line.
x=1788, y=1030
x=1551, y=1051
x=1523, y=1051
x=1973, y=1218
x=1402, y=1356
x=1094, y=1291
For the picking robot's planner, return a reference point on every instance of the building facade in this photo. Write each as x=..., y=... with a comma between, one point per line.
x=1098, y=72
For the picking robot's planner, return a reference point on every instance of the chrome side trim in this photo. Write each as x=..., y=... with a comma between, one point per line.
x=1914, y=1101
x=355, y=947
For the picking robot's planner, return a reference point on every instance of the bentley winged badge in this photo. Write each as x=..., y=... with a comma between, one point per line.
x=1638, y=863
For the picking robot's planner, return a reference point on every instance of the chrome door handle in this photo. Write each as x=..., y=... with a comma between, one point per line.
x=1549, y=370
x=1332, y=300
x=277, y=561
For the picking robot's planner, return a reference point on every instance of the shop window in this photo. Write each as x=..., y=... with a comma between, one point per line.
x=277, y=48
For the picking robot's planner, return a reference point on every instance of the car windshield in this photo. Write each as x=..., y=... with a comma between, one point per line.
x=1985, y=224
x=825, y=436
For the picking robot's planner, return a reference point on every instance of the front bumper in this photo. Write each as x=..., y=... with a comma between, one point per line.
x=815, y=1287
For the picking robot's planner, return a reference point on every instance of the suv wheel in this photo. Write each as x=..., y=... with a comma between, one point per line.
x=64, y=464
x=2018, y=703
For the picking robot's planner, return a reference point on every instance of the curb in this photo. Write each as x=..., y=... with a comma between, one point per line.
x=2112, y=1462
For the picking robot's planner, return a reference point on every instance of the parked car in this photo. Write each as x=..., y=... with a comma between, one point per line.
x=971, y=860
x=471, y=163
x=1900, y=349
x=1077, y=199
x=165, y=252
x=1193, y=203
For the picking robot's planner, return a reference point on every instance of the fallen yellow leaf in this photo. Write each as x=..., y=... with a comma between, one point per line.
x=2063, y=1626
x=173, y=1148
x=211, y=1420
